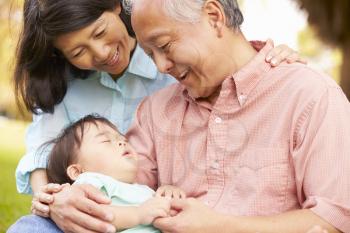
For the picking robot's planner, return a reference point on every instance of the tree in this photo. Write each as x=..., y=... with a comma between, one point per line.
x=331, y=20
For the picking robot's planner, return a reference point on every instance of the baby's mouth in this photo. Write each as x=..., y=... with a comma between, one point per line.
x=127, y=153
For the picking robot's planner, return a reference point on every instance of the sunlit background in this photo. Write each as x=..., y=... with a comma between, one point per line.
x=280, y=20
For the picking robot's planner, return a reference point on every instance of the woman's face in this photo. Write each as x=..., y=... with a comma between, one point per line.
x=104, y=45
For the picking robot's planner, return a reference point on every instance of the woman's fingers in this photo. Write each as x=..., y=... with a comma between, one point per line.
x=92, y=208
x=44, y=198
x=51, y=188
x=39, y=213
x=40, y=207
x=85, y=221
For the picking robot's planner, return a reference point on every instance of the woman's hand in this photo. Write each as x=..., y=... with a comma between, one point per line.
x=77, y=208
x=170, y=191
x=282, y=53
x=44, y=197
x=278, y=54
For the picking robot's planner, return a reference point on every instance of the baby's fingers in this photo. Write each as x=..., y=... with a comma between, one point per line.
x=182, y=195
x=160, y=213
x=160, y=192
x=176, y=194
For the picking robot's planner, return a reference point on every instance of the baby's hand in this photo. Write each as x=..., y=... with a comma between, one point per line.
x=153, y=208
x=42, y=199
x=170, y=191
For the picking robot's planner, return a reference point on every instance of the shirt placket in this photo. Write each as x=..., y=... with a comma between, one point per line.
x=217, y=139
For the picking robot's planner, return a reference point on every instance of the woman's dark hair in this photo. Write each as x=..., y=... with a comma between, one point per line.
x=41, y=72
x=65, y=147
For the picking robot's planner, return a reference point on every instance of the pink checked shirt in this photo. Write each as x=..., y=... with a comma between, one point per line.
x=276, y=140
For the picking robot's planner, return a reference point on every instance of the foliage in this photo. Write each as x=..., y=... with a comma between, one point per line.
x=332, y=22
x=10, y=18
x=331, y=19
x=12, y=204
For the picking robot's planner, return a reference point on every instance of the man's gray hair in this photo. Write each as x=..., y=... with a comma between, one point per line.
x=190, y=10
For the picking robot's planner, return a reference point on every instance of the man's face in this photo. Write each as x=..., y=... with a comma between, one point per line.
x=187, y=51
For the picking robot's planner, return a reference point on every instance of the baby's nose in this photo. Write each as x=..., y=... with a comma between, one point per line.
x=121, y=143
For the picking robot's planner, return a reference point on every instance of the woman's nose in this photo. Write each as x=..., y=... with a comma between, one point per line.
x=101, y=53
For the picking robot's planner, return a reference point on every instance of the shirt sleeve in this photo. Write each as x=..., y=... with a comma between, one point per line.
x=321, y=158
x=140, y=137
x=44, y=128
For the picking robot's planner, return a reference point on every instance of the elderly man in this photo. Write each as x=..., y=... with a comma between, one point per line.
x=261, y=149
x=266, y=149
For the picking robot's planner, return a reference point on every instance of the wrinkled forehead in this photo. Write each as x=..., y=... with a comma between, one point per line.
x=148, y=19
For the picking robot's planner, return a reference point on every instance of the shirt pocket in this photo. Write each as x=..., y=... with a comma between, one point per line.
x=262, y=179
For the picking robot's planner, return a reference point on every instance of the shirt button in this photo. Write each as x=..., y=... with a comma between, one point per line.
x=215, y=165
x=242, y=99
x=218, y=120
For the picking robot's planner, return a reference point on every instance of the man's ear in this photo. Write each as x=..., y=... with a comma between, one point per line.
x=216, y=15
x=73, y=171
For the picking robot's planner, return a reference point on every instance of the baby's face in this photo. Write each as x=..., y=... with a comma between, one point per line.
x=106, y=151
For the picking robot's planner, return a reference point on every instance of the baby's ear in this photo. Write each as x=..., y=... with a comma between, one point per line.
x=73, y=171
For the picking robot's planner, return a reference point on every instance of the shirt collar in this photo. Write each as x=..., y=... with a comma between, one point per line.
x=248, y=77
x=140, y=65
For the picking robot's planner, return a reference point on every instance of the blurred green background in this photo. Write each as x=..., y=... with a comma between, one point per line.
x=13, y=124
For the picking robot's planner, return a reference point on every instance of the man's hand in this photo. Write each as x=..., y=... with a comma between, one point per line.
x=77, y=208
x=154, y=208
x=170, y=191
x=193, y=217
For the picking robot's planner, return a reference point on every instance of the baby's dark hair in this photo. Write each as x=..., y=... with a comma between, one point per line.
x=65, y=147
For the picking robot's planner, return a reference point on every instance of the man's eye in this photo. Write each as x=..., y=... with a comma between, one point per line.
x=166, y=47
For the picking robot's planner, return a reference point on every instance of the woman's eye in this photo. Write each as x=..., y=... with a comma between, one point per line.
x=78, y=54
x=101, y=33
x=107, y=141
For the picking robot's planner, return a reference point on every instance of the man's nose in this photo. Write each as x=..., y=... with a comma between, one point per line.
x=164, y=64
x=101, y=53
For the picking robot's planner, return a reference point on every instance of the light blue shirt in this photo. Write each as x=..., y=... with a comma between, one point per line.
x=121, y=194
x=99, y=93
